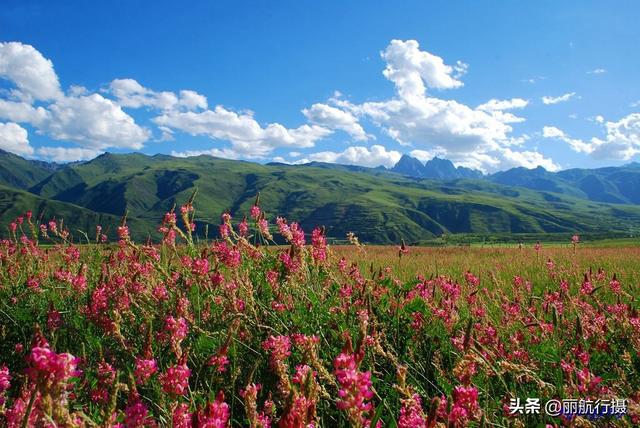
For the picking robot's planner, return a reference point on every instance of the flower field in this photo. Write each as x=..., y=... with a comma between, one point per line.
x=237, y=332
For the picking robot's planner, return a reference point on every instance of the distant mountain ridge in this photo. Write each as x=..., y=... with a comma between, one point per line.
x=436, y=168
x=619, y=185
x=379, y=205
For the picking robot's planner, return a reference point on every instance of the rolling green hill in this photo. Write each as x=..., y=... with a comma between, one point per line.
x=14, y=202
x=22, y=173
x=379, y=206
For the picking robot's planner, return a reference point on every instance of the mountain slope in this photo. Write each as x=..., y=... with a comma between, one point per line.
x=15, y=202
x=22, y=173
x=619, y=185
x=379, y=206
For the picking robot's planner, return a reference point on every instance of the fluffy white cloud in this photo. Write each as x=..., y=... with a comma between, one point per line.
x=432, y=122
x=409, y=69
x=575, y=144
x=621, y=140
x=14, y=139
x=246, y=135
x=130, y=93
x=423, y=155
x=555, y=100
x=191, y=100
x=373, y=156
x=500, y=105
x=89, y=120
x=67, y=154
x=497, y=108
x=219, y=153
x=597, y=71
x=552, y=132
x=32, y=73
x=335, y=118
x=167, y=134
x=93, y=122
x=480, y=137
x=527, y=159
x=466, y=135
x=18, y=111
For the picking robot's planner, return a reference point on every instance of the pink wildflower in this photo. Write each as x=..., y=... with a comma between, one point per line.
x=465, y=404
x=215, y=415
x=57, y=368
x=5, y=382
x=263, y=226
x=200, y=267
x=136, y=414
x=355, y=388
x=243, y=227
x=411, y=413
x=145, y=368
x=182, y=417
x=176, y=379
x=279, y=347
x=255, y=212
x=319, y=244
x=177, y=329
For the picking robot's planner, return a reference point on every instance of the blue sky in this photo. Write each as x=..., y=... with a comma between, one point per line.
x=491, y=85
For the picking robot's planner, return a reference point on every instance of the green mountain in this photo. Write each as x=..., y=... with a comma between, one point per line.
x=612, y=184
x=15, y=202
x=22, y=173
x=378, y=205
x=619, y=185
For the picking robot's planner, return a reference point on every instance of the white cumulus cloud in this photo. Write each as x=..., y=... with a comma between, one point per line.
x=497, y=108
x=373, y=156
x=560, y=99
x=552, y=132
x=67, y=154
x=576, y=145
x=335, y=118
x=130, y=93
x=423, y=155
x=468, y=136
x=93, y=122
x=527, y=159
x=621, y=140
x=32, y=74
x=87, y=119
x=219, y=153
x=246, y=135
x=15, y=139
x=19, y=111
x=191, y=100
x=410, y=69
x=480, y=137
x=500, y=105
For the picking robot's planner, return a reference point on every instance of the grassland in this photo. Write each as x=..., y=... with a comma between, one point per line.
x=237, y=332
